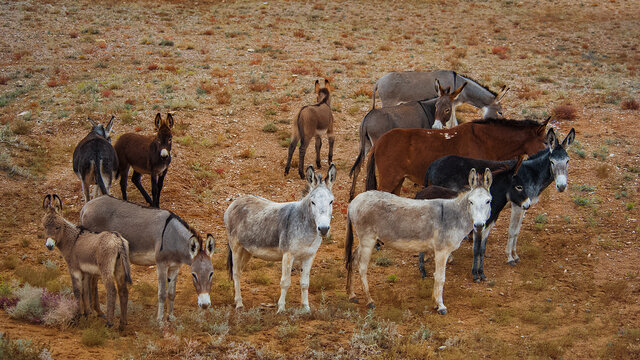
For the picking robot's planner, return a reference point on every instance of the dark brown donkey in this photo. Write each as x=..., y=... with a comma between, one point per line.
x=146, y=155
x=407, y=153
x=312, y=121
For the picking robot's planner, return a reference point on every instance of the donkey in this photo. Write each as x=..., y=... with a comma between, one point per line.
x=414, y=225
x=397, y=87
x=147, y=155
x=539, y=171
x=508, y=186
x=273, y=231
x=104, y=254
x=156, y=237
x=95, y=161
x=424, y=114
x=312, y=120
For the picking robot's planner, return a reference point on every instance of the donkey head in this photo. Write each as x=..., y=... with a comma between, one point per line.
x=52, y=221
x=324, y=93
x=163, y=138
x=445, y=104
x=201, y=267
x=494, y=110
x=479, y=198
x=517, y=192
x=320, y=198
x=101, y=130
x=559, y=157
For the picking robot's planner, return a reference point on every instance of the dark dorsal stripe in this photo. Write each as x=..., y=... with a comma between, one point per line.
x=181, y=221
x=509, y=122
x=476, y=82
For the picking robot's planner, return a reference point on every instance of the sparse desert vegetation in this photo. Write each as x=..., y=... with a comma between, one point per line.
x=235, y=75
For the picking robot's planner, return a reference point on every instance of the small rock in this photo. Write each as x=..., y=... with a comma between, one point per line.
x=251, y=50
x=587, y=311
x=548, y=299
x=442, y=347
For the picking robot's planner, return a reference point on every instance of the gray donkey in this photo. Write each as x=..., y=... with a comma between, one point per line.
x=87, y=254
x=156, y=237
x=95, y=161
x=398, y=87
x=273, y=231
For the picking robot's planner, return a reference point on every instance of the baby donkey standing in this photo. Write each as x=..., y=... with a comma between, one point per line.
x=87, y=253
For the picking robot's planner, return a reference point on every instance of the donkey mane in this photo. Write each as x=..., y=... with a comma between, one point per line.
x=510, y=122
x=477, y=82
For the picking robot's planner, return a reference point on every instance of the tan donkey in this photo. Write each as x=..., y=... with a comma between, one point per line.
x=313, y=121
x=105, y=254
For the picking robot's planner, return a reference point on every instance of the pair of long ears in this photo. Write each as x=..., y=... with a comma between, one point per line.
x=52, y=202
x=314, y=179
x=108, y=128
x=440, y=91
x=474, y=179
x=158, y=122
x=326, y=85
x=551, y=140
x=195, y=247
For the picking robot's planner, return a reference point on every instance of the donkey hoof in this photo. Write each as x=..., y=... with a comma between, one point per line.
x=483, y=278
x=517, y=260
x=239, y=308
x=512, y=262
x=354, y=300
x=442, y=311
x=318, y=166
x=109, y=324
x=476, y=279
x=371, y=305
x=305, y=309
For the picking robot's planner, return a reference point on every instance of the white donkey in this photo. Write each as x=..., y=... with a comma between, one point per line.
x=280, y=231
x=414, y=225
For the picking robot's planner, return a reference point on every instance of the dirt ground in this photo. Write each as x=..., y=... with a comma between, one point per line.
x=234, y=74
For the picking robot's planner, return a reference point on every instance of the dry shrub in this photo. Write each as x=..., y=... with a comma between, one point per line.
x=130, y=102
x=219, y=73
x=385, y=47
x=152, y=67
x=208, y=32
x=564, y=112
x=460, y=53
x=106, y=93
x=62, y=312
x=29, y=306
x=208, y=87
x=501, y=51
x=223, y=97
x=260, y=86
x=318, y=6
x=299, y=33
x=528, y=93
x=419, y=41
x=284, y=108
x=96, y=335
x=602, y=171
x=630, y=104
x=171, y=68
x=36, y=277
x=362, y=91
x=73, y=34
x=3, y=79
x=19, y=55
x=256, y=60
x=300, y=70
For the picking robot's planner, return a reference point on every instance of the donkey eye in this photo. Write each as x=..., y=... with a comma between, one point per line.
x=519, y=187
x=488, y=201
x=210, y=275
x=195, y=277
x=330, y=202
x=313, y=203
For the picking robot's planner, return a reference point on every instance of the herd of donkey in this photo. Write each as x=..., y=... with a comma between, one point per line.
x=471, y=171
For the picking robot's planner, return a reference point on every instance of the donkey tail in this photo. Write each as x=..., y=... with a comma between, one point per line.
x=123, y=251
x=230, y=262
x=298, y=126
x=98, y=175
x=363, y=142
x=372, y=183
x=348, y=246
x=373, y=95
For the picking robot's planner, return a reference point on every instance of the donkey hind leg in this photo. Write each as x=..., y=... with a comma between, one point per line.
x=124, y=173
x=85, y=190
x=240, y=258
x=302, y=151
x=517, y=215
x=110, y=286
x=93, y=294
x=285, y=279
x=438, y=280
x=363, y=264
x=332, y=139
x=76, y=284
x=318, y=147
x=162, y=270
x=304, y=282
x=423, y=272
x=355, y=260
x=172, y=280
x=85, y=294
x=123, y=295
x=292, y=148
x=135, y=179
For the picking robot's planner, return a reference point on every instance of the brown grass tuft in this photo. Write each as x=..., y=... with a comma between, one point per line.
x=152, y=67
x=501, y=51
x=564, y=112
x=362, y=91
x=630, y=104
x=171, y=68
x=299, y=33
x=300, y=70
x=223, y=97
x=527, y=93
x=3, y=79
x=260, y=86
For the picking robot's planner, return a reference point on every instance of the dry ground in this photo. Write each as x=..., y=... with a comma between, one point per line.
x=235, y=73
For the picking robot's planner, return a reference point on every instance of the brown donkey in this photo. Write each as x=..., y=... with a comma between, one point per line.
x=104, y=254
x=313, y=120
x=147, y=155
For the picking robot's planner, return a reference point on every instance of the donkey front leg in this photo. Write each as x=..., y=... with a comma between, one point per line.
x=304, y=281
x=162, y=270
x=159, y=187
x=285, y=280
x=135, y=179
x=517, y=215
x=318, y=147
x=76, y=284
x=438, y=280
x=173, y=280
x=93, y=294
x=237, y=255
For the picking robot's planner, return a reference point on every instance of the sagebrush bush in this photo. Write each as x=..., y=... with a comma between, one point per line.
x=29, y=306
x=61, y=311
x=22, y=349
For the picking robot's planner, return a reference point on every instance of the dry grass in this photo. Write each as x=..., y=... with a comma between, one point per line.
x=223, y=97
x=501, y=51
x=260, y=86
x=564, y=112
x=630, y=104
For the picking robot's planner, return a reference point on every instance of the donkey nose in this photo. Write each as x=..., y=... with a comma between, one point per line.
x=478, y=226
x=204, y=301
x=561, y=187
x=164, y=153
x=323, y=230
x=526, y=204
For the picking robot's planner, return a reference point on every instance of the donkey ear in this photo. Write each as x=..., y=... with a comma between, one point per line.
x=46, y=202
x=210, y=245
x=551, y=140
x=438, y=88
x=331, y=176
x=518, y=164
x=457, y=92
x=157, y=120
x=311, y=176
x=57, y=203
x=501, y=94
x=93, y=123
x=110, y=125
x=170, y=120
x=569, y=139
x=317, y=86
x=326, y=83
x=194, y=247
x=473, y=179
x=488, y=178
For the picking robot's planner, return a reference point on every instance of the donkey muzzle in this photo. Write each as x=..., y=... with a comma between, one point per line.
x=164, y=153
x=526, y=204
x=561, y=183
x=478, y=226
x=323, y=230
x=50, y=243
x=204, y=301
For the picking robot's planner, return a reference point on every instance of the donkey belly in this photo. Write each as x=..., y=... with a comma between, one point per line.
x=409, y=245
x=144, y=258
x=90, y=268
x=268, y=254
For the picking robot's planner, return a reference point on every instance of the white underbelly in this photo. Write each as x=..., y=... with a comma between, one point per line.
x=144, y=259
x=90, y=268
x=268, y=254
x=412, y=245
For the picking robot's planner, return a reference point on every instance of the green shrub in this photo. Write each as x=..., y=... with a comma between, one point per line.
x=22, y=349
x=96, y=335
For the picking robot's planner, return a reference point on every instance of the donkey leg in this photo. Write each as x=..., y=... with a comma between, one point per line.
x=517, y=215
x=85, y=190
x=302, y=151
x=483, y=247
x=363, y=264
x=173, y=280
x=318, y=147
x=438, y=280
x=477, y=238
x=332, y=139
x=154, y=190
x=123, y=295
x=110, y=286
x=84, y=294
x=162, y=270
x=76, y=284
x=285, y=279
x=124, y=173
x=160, y=186
x=292, y=148
x=135, y=179
x=237, y=269
x=95, y=299
x=355, y=260
x=304, y=281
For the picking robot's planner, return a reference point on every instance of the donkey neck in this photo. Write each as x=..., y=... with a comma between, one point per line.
x=429, y=108
x=474, y=93
x=70, y=235
x=457, y=212
x=539, y=169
